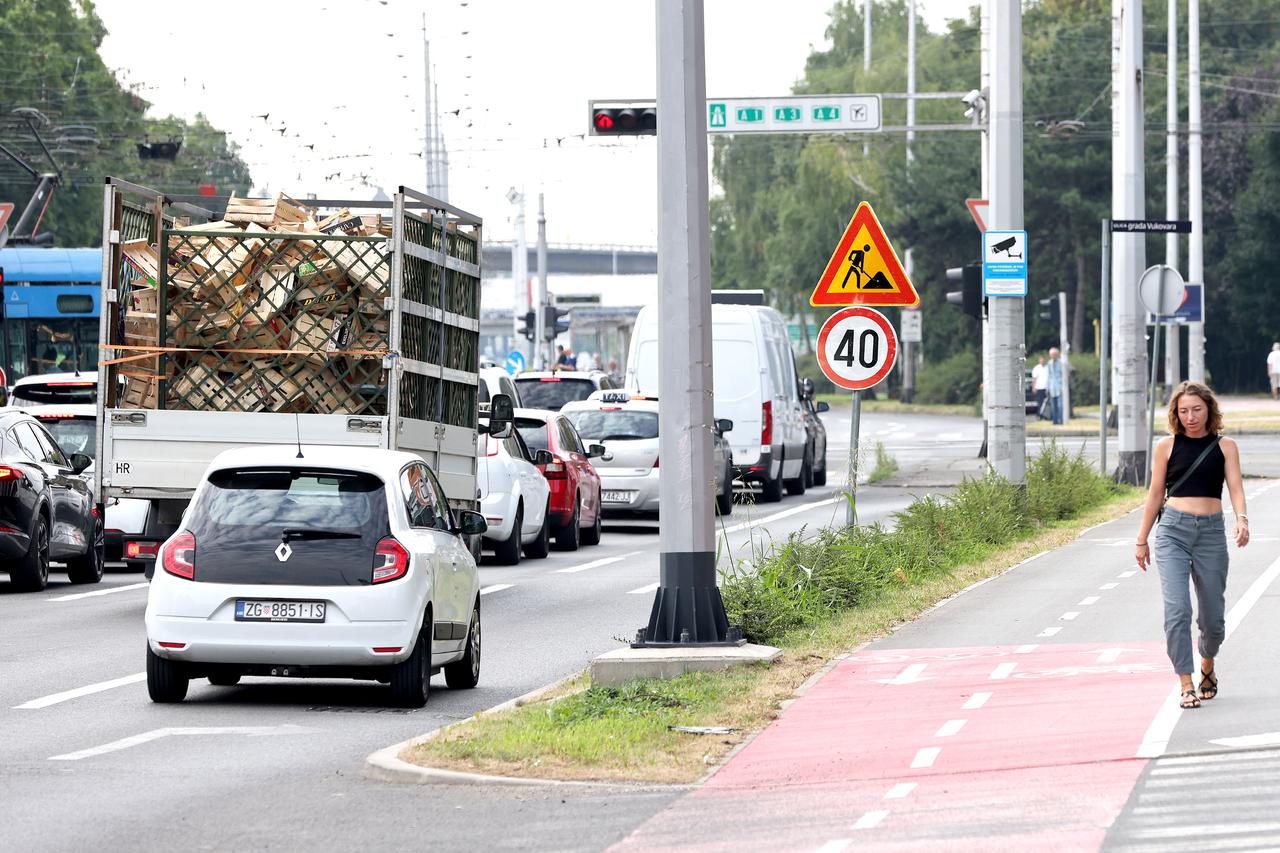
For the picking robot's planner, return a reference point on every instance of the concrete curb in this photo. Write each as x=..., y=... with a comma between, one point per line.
x=1093, y=433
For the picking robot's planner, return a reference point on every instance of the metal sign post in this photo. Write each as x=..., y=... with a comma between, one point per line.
x=851, y=509
x=1162, y=291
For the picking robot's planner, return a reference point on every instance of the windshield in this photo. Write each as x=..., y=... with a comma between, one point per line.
x=552, y=393
x=64, y=392
x=617, y=425
x=74, y=435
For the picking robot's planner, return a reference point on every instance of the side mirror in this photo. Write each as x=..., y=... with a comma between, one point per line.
x=80, y=461
x=595, y=451
x=498, y=431
x=724, y=425
x=543, y=457
x=471, y=523
x=823, y=406
x=501, y=415
x=806, y=388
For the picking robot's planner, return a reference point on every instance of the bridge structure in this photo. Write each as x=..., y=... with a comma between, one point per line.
x=573, y=259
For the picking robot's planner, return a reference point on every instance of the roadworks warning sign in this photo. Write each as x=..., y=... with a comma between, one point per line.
x=864, y=269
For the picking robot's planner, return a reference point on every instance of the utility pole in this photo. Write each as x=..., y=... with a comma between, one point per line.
x=1172, y=346
x=687, y=607
x=1195, y=198
x=1064, y=345
x=1129, y=251
x=540, y=327
x=428, y=113
x=866, y=58
x=908, y=348
x=442, y=152
x=1007, y=449
x=984, y=85
x=519, y=276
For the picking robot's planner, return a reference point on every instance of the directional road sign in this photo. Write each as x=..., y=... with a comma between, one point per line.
x=794, y=114
x=978, y=208
x=1004, y=263
x=515, y=362
x=864, y=269
x=857, y=347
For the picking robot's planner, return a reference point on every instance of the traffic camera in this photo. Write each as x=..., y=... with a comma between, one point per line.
x=624, y=118
x=969, y=297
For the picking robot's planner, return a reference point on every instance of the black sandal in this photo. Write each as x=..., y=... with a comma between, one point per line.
x=1208, y=684
x=1189, y=700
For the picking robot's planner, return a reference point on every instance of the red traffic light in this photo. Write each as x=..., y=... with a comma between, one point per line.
x=624, y=118
x=603, y=121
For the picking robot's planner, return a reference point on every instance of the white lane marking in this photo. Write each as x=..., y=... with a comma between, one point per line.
x=975, y=702
x=642, y=590
x=1128, y=574
x=1112, y=655
x=1109, y=586
x=910, y=675
x=78, y=595
x=596, y=564
x=837, y=846
x=925, y=757
x=949, y=436
x=1069, y=615
x=1156, y=740
x=949, y=728
x=900, y=790
x=871, y=820
x=1004, y=670
x=795, y=510
x=1089, y=600
x=55, y=698
x=1025, y=650
x=1268, y=739
x=1049, y=632
x=156, y=734
x=497, y=587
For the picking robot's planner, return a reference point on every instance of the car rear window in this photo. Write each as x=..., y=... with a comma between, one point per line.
x=553, y=392
x=617, y=425
x=74, y=435
x=64, y=393
x=333, y=521
x=534, y=433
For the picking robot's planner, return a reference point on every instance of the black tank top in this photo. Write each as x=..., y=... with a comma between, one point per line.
x=1206, y=480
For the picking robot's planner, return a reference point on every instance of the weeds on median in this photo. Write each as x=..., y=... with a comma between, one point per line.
x=886, y=465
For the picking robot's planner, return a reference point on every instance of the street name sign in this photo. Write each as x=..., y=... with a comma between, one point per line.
x=864, y=269
x=1004, y=263
x=857, y=347
x=1151, y=226
x=794, y=114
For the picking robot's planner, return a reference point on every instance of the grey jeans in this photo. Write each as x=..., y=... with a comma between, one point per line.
x=1192, y=547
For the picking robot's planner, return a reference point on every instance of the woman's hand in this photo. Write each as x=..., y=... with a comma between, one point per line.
x=1142, y=553
x=1242, y=532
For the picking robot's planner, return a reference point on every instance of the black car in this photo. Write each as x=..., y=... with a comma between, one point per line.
x=47, y=510
x=815, y=433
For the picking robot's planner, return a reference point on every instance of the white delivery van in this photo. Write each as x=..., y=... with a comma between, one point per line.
x=754, y=374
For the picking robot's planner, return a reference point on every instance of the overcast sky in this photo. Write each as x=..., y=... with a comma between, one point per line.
x=326, y=96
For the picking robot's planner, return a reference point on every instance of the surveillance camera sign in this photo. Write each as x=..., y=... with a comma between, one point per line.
x=1004, y=263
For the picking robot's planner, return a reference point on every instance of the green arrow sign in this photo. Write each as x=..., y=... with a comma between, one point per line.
x=716, y=115
x=786, y=114
x=750, y=114
x=826, y=113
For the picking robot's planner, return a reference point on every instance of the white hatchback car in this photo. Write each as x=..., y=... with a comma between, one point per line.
x=514, y=497
x=346, y=563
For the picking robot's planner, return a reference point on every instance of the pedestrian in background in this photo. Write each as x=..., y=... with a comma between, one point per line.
x=1053, y=384
x=1039, y=378
x=1273, y=370
x=1187, y=474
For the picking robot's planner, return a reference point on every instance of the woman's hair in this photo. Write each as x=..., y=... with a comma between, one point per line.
x=1213, y=423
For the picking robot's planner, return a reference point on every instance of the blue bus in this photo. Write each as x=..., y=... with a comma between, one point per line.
x=50, y=310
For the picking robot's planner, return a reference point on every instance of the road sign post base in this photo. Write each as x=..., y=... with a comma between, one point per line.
x=687, y=607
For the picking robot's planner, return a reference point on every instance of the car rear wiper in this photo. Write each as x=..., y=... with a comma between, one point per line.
x=622, y=436
x=310, y=533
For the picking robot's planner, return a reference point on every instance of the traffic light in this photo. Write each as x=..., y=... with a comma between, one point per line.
x=529, y=329
x=624, y=118
x=159, y=150
x=555, y=321
x=1049, y=309
x=969, y=297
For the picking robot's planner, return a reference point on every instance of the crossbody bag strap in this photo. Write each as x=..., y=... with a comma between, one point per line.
x=1194, y=466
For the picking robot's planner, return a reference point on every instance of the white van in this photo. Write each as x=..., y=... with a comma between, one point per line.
x=755, y=387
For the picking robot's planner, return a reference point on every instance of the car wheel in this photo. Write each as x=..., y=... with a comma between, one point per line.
x=464, y=673
x=167, y=680
x=820, y=474
x=569, y=537
x=30, y=573
x=771, y=490
x=539, y=548
x=87, y=568
x=591, y=536
x=411, y=678
x=796, y=486
x=507, y=552
x=806, y=471
x=724, y=500
x=224, y=679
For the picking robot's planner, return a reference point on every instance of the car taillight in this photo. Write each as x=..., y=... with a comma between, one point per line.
x=766, y=423
x=179, y=556
x=133, y=550
x=555, y=469
x=391, y=561
x=8, y=473
x=655, y=461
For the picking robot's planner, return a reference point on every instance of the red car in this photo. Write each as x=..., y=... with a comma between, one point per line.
x=575, y=485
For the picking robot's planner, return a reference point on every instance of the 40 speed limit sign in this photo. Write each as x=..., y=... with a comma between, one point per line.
x=857, y=348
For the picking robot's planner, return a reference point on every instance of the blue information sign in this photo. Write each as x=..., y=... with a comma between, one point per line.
x=1004, y=263
x=515, y=362
x=1190, y=311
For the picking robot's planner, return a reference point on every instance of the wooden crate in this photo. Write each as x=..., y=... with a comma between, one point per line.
x=278, y=211
x=141, y=390
x=321, y=335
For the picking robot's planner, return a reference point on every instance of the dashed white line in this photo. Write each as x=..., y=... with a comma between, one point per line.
x=1069, y=615
x=975, y=702
x=1049, y=632
x=925, y=757
x=78, y=595
x=55, y=698
x=1128, y=574
x=950, y=727
x=497, y=587
x=871, y=820
x=597, y=564
x=1025, y=650
x=795, y=510
x=1089, y=600
x=1004, y=670
x=900, y=790
x=837, y=846
x=643, y=589
x=1109, y=586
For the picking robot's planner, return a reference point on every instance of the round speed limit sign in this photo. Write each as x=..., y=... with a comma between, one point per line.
x=857, y=348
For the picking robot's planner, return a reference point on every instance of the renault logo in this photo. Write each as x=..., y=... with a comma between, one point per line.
x=283, y=552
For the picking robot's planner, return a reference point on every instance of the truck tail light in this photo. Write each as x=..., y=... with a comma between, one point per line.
x=390, y=561
x=766, y=423
x=179, y=556
x=134, y=550
x=555, y=469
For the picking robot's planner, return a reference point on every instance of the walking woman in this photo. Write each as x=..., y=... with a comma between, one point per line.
x=1187, y=474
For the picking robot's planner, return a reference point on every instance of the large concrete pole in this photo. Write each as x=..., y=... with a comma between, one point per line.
x=1007, y=447
x=1195, y=197
x=1172, y=344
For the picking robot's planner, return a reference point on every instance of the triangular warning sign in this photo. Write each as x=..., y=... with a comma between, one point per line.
x=864, y=270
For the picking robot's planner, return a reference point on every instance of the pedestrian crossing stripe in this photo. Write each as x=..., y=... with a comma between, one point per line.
x=864, y=269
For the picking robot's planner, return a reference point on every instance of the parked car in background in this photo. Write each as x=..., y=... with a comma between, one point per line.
x=817, y=433
x=515, y=498
x=545, y=389
x=47, y=509
x=627, y=426
x=55, y=388
x=346, y=563
x=575, y=485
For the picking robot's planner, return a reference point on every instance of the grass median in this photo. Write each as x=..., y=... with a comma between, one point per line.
x=815, y=599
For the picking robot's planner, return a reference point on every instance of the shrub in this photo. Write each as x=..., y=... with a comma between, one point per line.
x=1060, y=485
x=957, y=379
